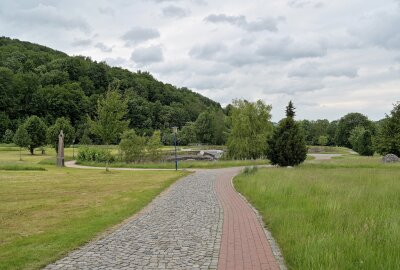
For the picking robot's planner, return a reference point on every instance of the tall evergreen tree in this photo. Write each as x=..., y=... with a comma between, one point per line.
x=287, y=147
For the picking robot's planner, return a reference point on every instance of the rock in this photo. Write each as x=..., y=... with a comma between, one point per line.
x=390, y=158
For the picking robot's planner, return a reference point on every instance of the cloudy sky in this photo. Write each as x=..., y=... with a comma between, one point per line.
x=329, y=57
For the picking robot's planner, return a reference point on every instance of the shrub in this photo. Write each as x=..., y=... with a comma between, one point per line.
x=95, y=155
x=250, y=170
x=132, y=146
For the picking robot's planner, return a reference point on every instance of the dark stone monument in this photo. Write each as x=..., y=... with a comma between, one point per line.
x=60, y=154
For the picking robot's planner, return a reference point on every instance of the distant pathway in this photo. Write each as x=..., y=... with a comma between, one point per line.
x=201, y=222
x=324, y=156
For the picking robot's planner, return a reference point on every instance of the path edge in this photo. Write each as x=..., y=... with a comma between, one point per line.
x=276, y=251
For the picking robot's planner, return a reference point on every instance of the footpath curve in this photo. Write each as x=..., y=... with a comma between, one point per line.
x=200, y=222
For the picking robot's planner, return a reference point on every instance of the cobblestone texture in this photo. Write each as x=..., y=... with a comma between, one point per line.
x=180, y=230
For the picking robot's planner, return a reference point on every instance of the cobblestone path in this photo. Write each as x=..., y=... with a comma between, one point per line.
x=180, y=230
x=201, y=222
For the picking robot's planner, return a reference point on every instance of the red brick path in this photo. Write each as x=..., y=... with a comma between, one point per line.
x=243, y=244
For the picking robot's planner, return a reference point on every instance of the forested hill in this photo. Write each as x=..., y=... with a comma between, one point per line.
x=36, y=80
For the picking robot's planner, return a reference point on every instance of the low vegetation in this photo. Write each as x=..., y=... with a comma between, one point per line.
x=337, y=214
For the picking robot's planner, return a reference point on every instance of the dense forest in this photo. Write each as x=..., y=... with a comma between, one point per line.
x=36, y=80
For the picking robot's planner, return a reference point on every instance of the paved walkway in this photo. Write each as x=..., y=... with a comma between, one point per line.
x=244, y=244
x=182, y=229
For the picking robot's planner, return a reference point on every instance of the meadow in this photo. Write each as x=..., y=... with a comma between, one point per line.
x=45, y=211
x=336, y=214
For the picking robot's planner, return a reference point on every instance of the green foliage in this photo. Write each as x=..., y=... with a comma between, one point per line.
x=361, y=141
x=111, y=112
x=21, y=137
x=322, y=140
x=347, y=123
x=35, y=80
x=290, y=110
x=61, y=124
x=93, y=154
x=8, y=136
x=153, y=146
x=313, y=130
x=133, y=146
x=210, y=127
x=251, y=129
x=36, y=129
x=287, y=146
x=388, y=138
x=187, y=134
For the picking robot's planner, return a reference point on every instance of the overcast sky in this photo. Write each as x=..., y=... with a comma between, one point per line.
x=329, y=57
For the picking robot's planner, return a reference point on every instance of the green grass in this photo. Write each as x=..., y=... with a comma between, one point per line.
x=18, y=167
x=338, y=214
x=46, y=214
x=182, y=164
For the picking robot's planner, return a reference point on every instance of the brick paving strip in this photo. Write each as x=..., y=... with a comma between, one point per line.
x=200, y=222
x=244, y=243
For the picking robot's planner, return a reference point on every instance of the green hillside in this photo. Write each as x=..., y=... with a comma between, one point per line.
x=36, y=80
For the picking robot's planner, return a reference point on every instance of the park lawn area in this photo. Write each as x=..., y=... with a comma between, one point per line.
x=46, y=214
x=337, y=214
x=182, y=164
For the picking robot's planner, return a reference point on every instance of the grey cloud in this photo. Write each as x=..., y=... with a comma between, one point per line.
x=147, y=55
x=289, y=49
x=265, y=24
x=81, y=42
x=305, y=3
x=103, y=47
x=319, y=71
x=296, y=86
x=174, y=12
x=44, y=15
x=107, y=11
x=379, y=29
x=140, y=34
x=207, y=51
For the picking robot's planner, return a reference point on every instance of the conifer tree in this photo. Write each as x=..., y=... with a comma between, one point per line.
x=287, y=147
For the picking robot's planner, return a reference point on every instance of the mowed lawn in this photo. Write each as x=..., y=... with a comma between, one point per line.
x=338, y=214
x=45, y=214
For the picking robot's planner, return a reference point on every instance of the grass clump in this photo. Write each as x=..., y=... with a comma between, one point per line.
x=18, y=167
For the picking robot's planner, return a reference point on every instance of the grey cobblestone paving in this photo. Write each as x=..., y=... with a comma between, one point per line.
x=179, y=230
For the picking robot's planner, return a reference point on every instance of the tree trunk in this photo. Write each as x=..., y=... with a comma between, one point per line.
x=31, y=149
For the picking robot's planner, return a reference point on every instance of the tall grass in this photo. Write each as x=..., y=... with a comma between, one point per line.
x=334, y=215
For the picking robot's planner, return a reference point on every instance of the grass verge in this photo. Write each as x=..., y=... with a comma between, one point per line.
x=44, y=215
x=341, y=214
x=181, y=164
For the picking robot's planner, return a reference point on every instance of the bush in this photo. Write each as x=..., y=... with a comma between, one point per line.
x=250, y=170
x=132, y=146
x=95, y=155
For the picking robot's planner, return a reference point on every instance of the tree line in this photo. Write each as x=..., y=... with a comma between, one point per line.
x=36, y=80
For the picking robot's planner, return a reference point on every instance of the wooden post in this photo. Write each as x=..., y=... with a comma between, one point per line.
x=60, y=154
